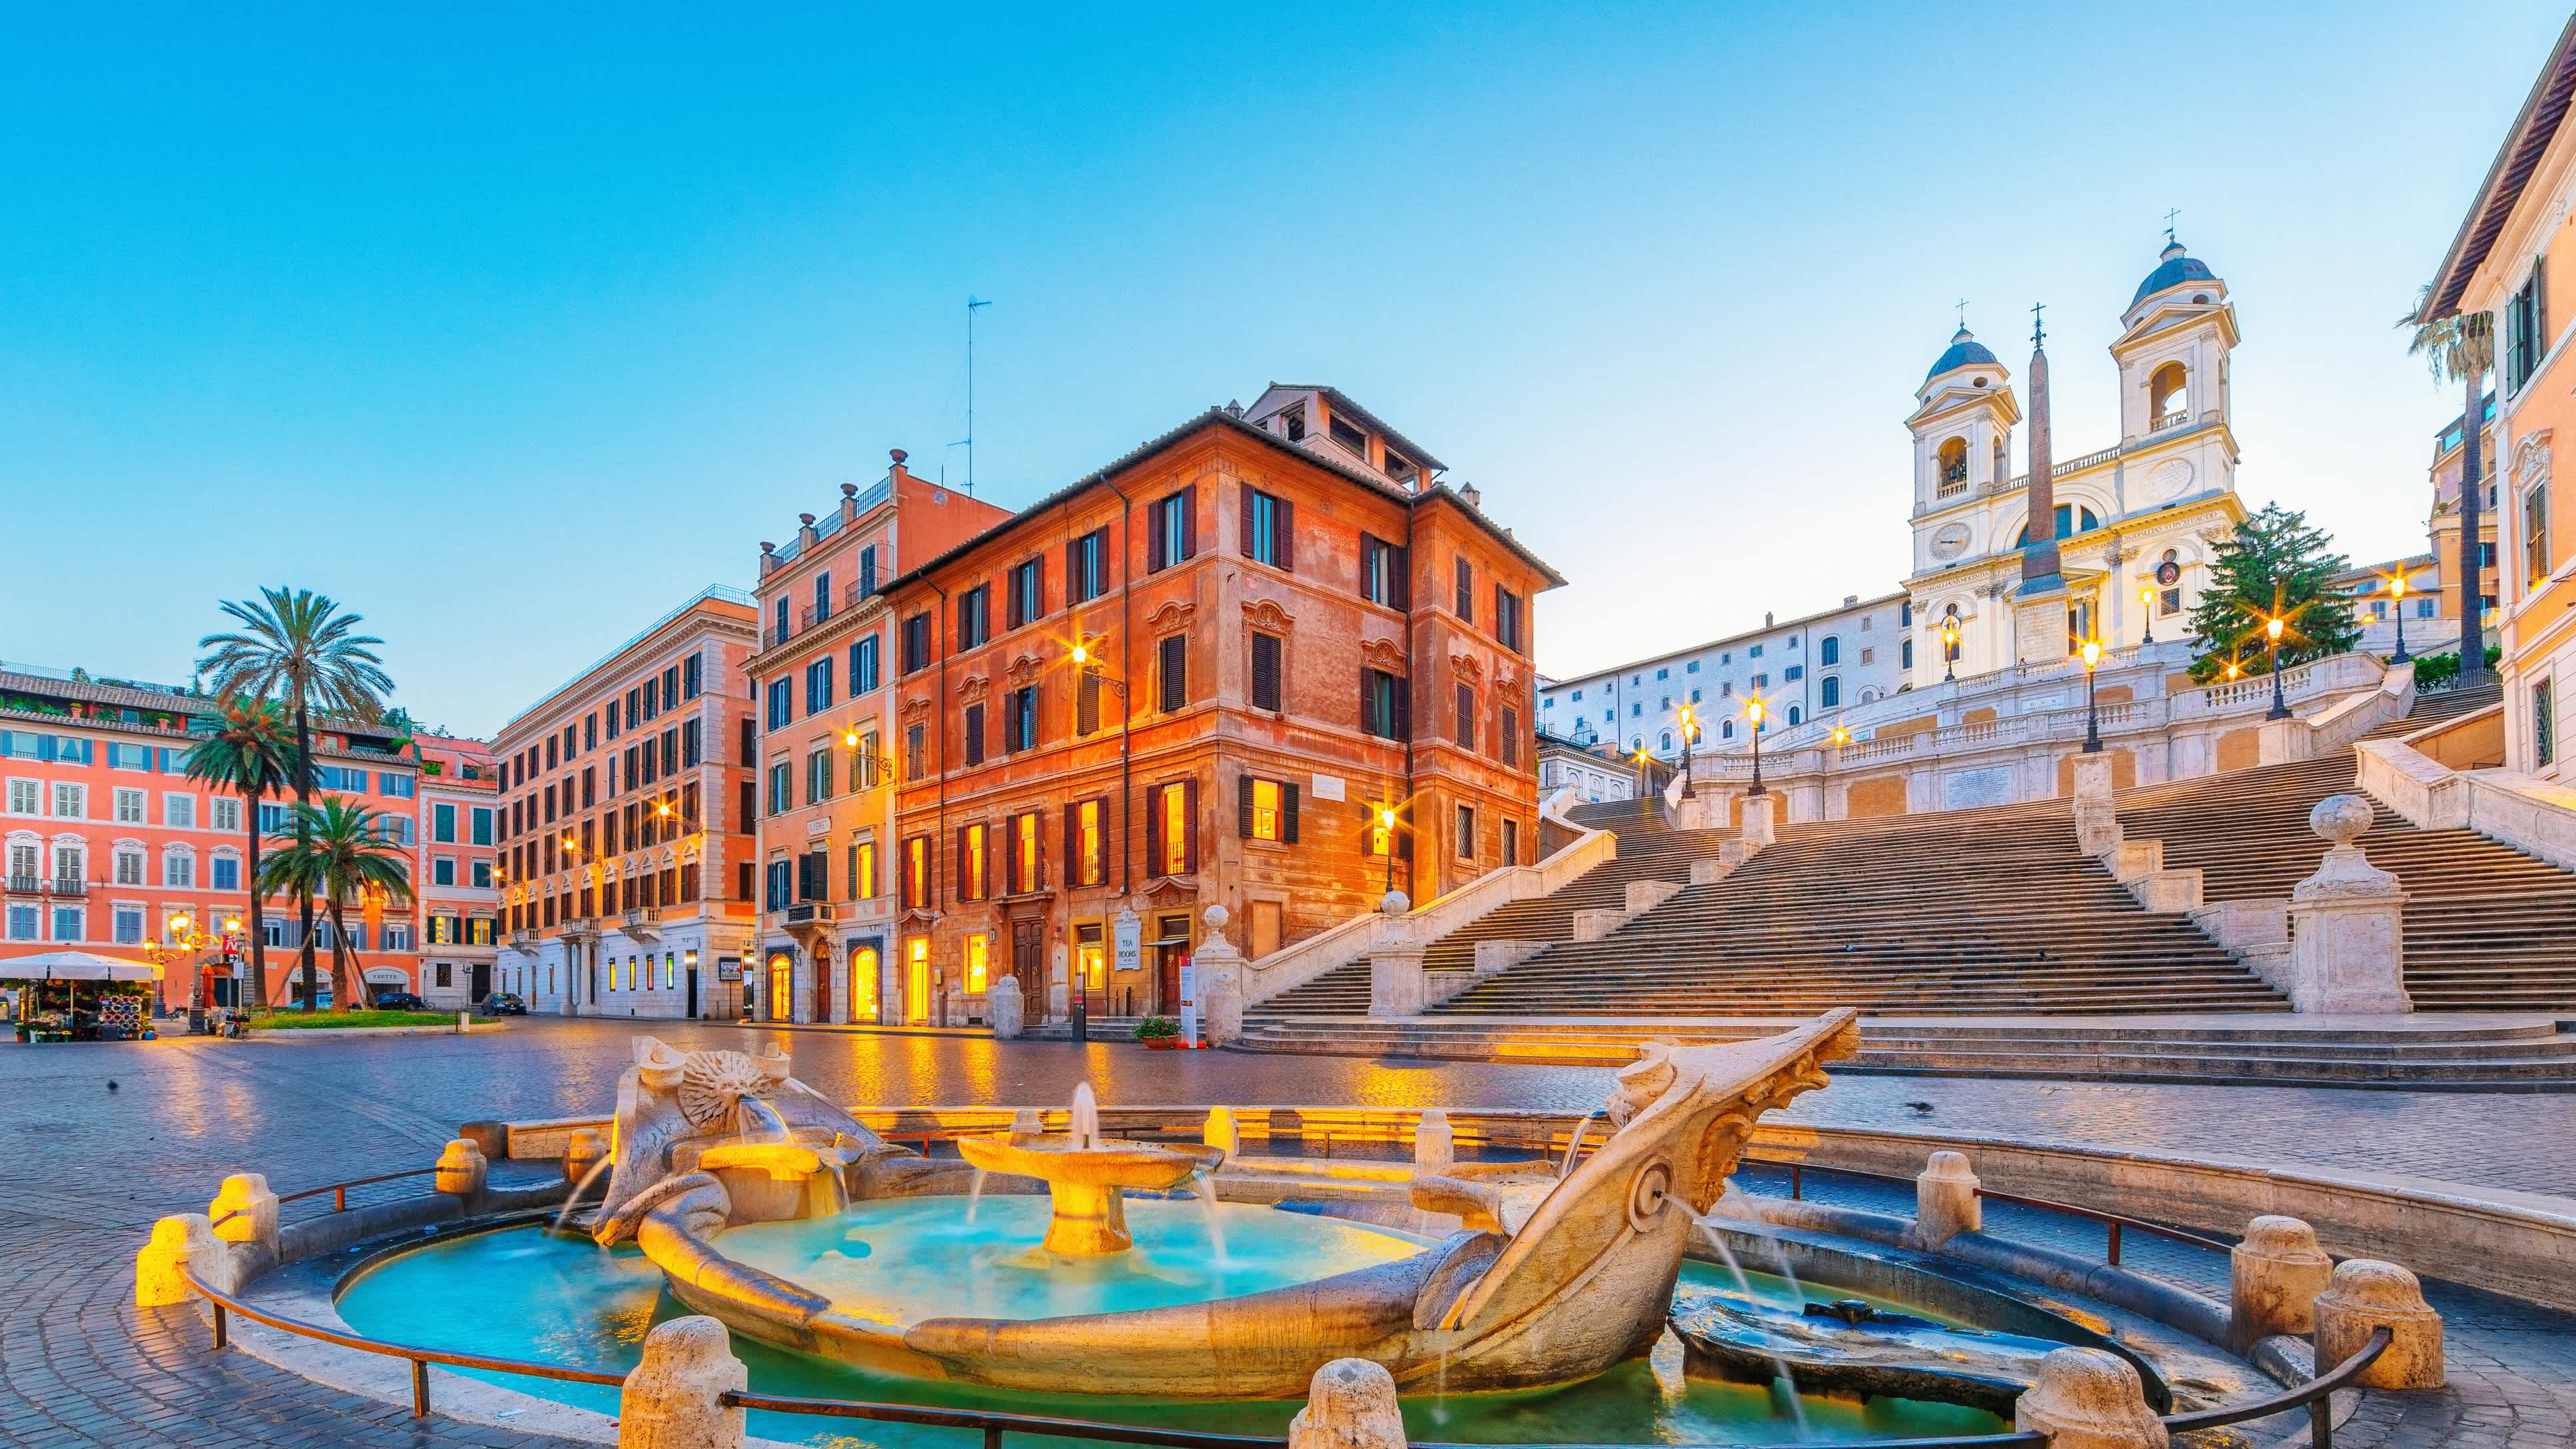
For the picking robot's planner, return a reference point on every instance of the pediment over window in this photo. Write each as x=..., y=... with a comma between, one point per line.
x=1025, y=669
x=974, y=688
x=1468, y=668
x=1175, y=614
x=1383, y=654
x=1266, y=616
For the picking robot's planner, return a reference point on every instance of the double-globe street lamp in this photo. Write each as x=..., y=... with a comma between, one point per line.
x=2092, y=653
x=1755, y=711
x=1690, y=727
x=2397, y=591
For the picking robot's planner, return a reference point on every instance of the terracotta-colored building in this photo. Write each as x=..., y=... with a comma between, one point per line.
x=1211, y=672
x=625, y=826
x=827, y=799
x=454, y=880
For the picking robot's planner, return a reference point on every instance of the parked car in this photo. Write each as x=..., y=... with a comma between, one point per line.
x=400, y=1001
x=504, y=1003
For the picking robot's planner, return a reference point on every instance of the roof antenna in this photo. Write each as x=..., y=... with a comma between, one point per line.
x=972, y=302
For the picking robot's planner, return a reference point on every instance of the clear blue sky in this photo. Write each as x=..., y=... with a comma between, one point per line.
x=510, y=327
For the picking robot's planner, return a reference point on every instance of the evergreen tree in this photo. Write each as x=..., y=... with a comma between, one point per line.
x=2275, y=566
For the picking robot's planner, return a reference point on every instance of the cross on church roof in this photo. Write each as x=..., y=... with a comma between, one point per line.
x=1963, y=314
x=2169, y=224
x=2038, y=333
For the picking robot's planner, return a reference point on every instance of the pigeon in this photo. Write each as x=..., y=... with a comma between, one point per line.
x=111, y=1084
x=1920, y=1106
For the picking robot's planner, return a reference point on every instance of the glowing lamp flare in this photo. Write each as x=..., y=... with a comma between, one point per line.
x=2092, y=652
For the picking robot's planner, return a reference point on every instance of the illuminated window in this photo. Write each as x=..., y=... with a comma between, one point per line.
x=1024, y=852
x=1265, y=810
x=863, y=870
x=1174, y=858
x=916, y=872
x=970, y=863
x=863, y=984
x=1086, y=837
x=978, y=952
x=1091, y=957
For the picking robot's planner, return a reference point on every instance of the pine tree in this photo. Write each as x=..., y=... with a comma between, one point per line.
x=2274, y=566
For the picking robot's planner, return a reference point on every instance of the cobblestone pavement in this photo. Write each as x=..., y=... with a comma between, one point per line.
x=88, y=1169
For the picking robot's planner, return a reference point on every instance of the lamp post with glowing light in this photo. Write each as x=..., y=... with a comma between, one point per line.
x=2092, y=652
x=2147, y=612
x=1386, y=827
x=2272, y=628
x=1690, y=727
x=1754, y=711
x=1949, y=649
x=185, y=942
x=2397, y=590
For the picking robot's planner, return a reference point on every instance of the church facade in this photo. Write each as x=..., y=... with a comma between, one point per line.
x=2133, y=523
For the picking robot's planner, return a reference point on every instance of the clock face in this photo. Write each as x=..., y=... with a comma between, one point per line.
x=2169, y=479
x=1950, y=542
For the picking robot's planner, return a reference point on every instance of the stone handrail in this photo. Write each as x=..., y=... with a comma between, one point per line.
x=2342, y=723
x=2535, y=816
x=1353, y=940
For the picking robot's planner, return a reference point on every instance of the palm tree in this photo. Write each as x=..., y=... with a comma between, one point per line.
x=245, y=747
x=297, y=647
x=2461, y=348
x=341, y=852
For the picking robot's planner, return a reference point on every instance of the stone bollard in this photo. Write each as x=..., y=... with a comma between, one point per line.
x=1350, y=1404
x=1435, y=1144
x=2089, y=1399
x=464, y=1023
x=1396, y=986
x=674, y=1398
x=1945, y=1201
x=461, y=1168
x=1222, y=1132
x=584, y=1150
x=2363, y=1295
x=1004, y=1009
x=245, y=1211
x=1028, y=1122
x=2347, y=923
x=178, y=1243
x=2274, y=1277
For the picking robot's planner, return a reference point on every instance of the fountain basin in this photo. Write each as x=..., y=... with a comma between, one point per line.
x=1085, y=1180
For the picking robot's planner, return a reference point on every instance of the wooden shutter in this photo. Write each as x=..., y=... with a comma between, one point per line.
x=1190, y=521
x=1243, y=518
x=1087, y=704
x=1243, y=807
x=1154, y=526
x=1466, y=717
x=1403, y=708
x=1400, y=576
x=1287, y=813
x=1265, y=672
x=1283, y=522
x=1466, y=592
x=1175, y=671
x=1153, y=831
x=1037, y=847
x=1366, y=698
x=1369, y=545
x=1189, y=826
x=1037, y=587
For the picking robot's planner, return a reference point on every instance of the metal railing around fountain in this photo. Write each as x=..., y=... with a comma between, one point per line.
x=2316, y=1396
x=339, y=1191
x=2114, y=1223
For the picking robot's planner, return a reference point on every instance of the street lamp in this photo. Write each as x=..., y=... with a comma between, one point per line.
x=2272, y=628
x=1386, y=827
x=2147, y=612
x=1754, y=711
x=1690, y=726
x=2397, y=590
x=1949, y=648
x=2092, y=652
x=1083, y=661
x=1645, y=780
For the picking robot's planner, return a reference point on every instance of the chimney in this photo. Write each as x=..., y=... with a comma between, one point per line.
x=1469, y=495
x=849, y=503
x=1766, y=618
x=1850, y=599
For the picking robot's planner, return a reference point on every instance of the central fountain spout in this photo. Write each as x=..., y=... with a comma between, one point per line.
x=1085, y=1174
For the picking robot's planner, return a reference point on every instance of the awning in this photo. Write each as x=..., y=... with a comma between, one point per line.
x=76, y=966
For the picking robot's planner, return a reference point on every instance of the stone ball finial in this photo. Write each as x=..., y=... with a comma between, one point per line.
x=1395, y=903
x=1350, y=1404
x=1216, y=917
x=2087, y=1398
x=2280, y=1236
x=2341, y=819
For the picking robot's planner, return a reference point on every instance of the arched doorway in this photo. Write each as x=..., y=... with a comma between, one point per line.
x=781, y=987
x=863, y=984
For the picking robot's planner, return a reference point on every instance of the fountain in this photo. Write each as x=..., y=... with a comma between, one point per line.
x=1086, y=1175
x=1558, y=1272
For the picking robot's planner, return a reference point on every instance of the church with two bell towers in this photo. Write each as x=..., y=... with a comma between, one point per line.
x=2124, y=534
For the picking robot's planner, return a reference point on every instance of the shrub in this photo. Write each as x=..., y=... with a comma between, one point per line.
x=1153, y=1027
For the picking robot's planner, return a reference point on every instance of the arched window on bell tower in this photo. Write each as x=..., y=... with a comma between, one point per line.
x=2168, y=400
x=1953, y=472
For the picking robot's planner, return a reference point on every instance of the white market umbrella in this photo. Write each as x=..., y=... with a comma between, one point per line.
x=76, y=966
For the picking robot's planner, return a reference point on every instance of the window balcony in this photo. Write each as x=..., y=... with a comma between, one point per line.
x=65, y=886
x=24, y=885
x=643, y=923
x=772, y=637
x=815, y=613
x=810, y=913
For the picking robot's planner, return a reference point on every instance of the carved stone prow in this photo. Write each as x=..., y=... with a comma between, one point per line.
x=1613, y=1232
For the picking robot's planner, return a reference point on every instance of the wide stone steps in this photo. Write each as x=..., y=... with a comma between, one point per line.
x=2487, y=1054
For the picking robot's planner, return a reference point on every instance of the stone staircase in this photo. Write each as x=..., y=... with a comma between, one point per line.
x=1966, y=913
x=1649, y=850
x=2488, y=928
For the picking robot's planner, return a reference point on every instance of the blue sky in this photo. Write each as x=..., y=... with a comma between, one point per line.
x=511, y=329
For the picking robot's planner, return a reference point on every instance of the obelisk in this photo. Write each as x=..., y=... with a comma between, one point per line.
x=2039, y=604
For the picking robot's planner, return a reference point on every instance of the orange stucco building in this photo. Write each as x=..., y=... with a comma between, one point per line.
x=1211, y=672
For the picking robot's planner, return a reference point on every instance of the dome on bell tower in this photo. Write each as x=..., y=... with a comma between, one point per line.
x=2173, y=268
x=1965, y=351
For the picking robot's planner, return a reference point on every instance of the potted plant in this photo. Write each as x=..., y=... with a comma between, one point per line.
x=1159, y=1032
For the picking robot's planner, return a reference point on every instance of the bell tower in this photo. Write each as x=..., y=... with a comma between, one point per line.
x=1962, y=424
x=2173, y=349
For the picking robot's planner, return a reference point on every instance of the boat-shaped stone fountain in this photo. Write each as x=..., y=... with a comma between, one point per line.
x=1556, y=1276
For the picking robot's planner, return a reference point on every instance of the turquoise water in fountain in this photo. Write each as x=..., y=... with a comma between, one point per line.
x=524, y=1293
x=903, y=1260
